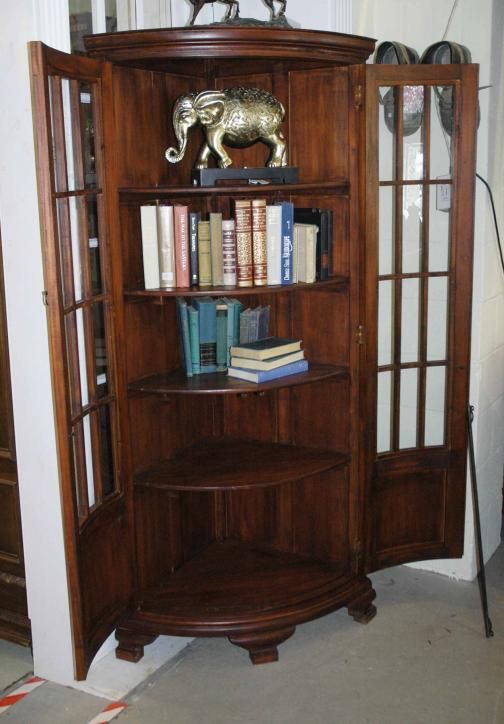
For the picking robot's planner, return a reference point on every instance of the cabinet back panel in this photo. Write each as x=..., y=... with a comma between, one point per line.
x=251, y=416
x=320, y=517
x=320, y=415
x=320, y=154
x=152, y=343
x=321, y=321
x=131, y=247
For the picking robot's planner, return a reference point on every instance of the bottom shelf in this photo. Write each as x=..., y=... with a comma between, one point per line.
x=255, y=597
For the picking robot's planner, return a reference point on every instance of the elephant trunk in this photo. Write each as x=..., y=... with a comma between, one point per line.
x=174, y=155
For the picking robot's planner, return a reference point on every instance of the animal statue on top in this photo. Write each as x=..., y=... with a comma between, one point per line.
x=234, y=5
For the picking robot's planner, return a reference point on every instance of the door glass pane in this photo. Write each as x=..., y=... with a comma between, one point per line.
x=385, y=322
x=107, y=456
x=435, y=402
x=81, y=355
x=408, y=409
x=439, y=228
x=413, y=123
x=69, y=122
x=437, y=317
x=73, y=365
x=410, y=320
x=384, y=412
x=386, y=213
x=387, y=134
x=79, y=469
x=88, y=135
x=412, y=228
x=441, y=128
x=100, y=346
x=88, y=453
x=94, y=245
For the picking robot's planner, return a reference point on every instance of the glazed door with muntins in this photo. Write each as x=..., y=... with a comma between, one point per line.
x=68, y=92
x=420, y=165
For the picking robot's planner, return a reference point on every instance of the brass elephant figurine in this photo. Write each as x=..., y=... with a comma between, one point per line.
x=234, y=5
x=237, y=117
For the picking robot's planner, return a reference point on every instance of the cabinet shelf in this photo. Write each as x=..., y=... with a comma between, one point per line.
x=219, y=383
x=335, y=283
x=151, y=193
x=231, y=584
x=231, y=464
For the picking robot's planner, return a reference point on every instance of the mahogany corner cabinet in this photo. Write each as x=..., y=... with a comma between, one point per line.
x=211, y=506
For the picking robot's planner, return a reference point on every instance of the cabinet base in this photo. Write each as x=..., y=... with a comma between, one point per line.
x=254, y=597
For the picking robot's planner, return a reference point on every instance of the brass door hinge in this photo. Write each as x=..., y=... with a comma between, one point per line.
x=359, y=337
x=358, y=97
x=45, y=298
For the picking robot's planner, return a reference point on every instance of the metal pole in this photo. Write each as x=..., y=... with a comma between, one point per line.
x=477, y=529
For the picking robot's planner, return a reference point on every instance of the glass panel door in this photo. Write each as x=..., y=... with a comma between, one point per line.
x=420, y=189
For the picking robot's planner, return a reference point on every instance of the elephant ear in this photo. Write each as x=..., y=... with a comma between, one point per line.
x=210, y=107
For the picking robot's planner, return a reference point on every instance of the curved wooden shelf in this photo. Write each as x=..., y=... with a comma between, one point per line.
x=180, y=47
x=218, y=383
x=254, y=596
x=339, y=187
x=231, y=464
x=335, y=283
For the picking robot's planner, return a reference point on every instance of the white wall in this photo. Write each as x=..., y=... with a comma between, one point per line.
x=480, y=28
x=48, y=606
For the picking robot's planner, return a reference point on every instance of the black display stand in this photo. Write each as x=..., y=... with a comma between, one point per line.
x=262, y=175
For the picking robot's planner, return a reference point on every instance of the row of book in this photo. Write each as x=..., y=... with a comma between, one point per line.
x=264, y=244
x=210, y=327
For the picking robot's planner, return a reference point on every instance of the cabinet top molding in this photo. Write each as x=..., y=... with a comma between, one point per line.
x=150, y=48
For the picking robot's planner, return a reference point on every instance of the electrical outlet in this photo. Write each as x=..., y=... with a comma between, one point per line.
x=443, y=195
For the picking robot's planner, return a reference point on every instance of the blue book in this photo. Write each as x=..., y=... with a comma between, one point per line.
x=184, y=335
x=194, y=217
x=294, y=368
x=287, y=263
x=222, y=325
x=193, y=316
x=206, y=307
x=233, y=324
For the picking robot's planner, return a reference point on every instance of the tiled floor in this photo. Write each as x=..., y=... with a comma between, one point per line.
x=423, y=660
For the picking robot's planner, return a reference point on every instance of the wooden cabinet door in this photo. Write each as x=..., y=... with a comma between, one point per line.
x=420, y=172
x=14, y=622
x=72, y=105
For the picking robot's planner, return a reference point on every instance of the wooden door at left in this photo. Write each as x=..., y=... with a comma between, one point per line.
x=14, y=622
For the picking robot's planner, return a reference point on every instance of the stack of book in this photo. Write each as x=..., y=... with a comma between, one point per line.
x=267, y=359
x=261, y=245
x=209, y=328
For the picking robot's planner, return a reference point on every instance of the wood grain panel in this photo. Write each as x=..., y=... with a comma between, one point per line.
x=321, y=320
x=318, y=123
x=320, y=415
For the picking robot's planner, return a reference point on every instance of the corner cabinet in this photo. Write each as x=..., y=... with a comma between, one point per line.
x=210, y=507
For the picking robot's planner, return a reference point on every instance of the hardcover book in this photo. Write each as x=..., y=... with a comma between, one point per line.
x=181, y=230
x=193, y=317
x=204, y=254
x=184, y=335
x=295, y=368
x=305, y=241
x=259, y=247
x=166, y=246
x=274, y=244
x=322, y=219
x=216, y=249
x=287, y=242
x=194, y=218
x=206, y=307
x=150, y=253
x=266, y=348
x=222, y=350
x=267, y=364
x=243, y=229
x=229, y=252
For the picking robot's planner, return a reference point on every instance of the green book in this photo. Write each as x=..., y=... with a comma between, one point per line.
x=193, y=316
x=184, y=335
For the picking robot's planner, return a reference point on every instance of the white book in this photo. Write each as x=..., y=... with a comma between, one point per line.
x=305, y=243
x=166, y=246
x=274, y=244
x=229, y=252
x=148, y=223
